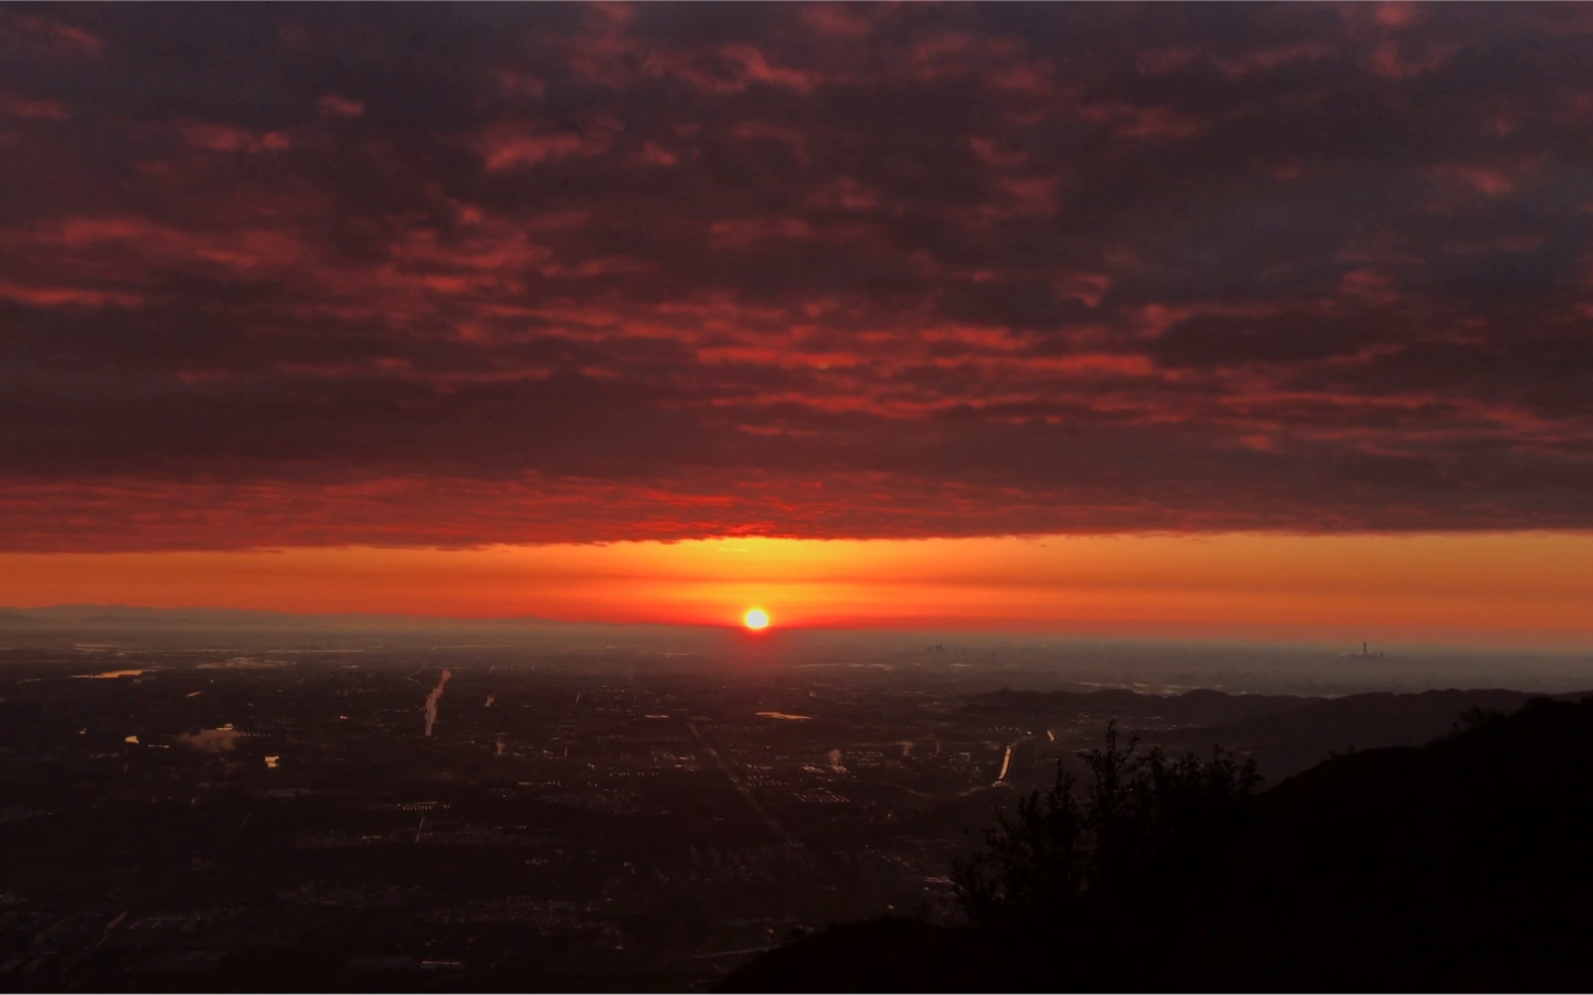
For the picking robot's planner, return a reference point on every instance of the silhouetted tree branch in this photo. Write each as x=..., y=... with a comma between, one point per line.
x=1057, y=852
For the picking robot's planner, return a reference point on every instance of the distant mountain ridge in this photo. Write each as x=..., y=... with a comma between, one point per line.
x=1285, y=733
x=1200, y=706
x=1294, y=739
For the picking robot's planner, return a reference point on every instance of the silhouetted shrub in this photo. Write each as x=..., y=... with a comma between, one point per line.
x=1060, y=852
x=1476, y=717
x=1461, y=865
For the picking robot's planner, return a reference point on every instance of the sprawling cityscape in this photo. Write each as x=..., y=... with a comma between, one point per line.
x=491, y=816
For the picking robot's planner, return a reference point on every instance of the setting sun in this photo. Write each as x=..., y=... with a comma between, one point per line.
x=755, y=618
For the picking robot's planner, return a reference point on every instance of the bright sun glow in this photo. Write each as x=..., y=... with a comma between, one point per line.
x=755, y=618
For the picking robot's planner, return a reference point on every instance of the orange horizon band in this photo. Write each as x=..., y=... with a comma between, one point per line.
x=1536, y=586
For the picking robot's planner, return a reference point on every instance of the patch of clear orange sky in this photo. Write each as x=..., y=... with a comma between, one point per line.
x=1529, y=588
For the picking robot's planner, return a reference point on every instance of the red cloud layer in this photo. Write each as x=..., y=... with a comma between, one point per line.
x=572, y=273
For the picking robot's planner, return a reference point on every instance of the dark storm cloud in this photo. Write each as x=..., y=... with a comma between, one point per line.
x=275, y=274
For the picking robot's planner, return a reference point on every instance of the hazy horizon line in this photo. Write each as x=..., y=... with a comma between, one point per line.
x=1017, y=637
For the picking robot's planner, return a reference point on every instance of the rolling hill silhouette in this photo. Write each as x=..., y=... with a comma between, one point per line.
x=1461, y=865
x=1198, y=707
x=1288, y=740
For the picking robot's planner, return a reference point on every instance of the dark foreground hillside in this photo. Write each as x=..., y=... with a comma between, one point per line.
x=1462, y=865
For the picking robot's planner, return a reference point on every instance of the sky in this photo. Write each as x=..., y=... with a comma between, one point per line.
x=411, y=293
